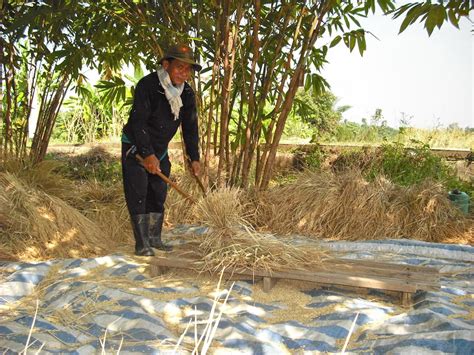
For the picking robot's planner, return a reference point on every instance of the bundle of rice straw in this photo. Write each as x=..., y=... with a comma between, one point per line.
x=38, y=226
x=346, y=206
x=232, y=243
x=103, y=204
x=179, y=209
x=42, y=176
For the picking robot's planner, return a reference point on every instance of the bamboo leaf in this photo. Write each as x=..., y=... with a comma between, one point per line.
x=352, y=42
x=335, y=41
x=453, y=18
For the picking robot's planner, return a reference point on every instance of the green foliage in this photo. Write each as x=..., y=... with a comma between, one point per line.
x=113, y=90
x=312, y=115
x=433, y=15
x=317, y=110
x=296, y=129
x=354, y=132
x=90, y=116
x=96, y=165
x=408, y=166
x=315, y=158
x=450, y=137
x=403, y=165
x=268, y=41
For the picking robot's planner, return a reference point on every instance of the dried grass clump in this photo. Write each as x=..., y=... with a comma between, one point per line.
x=179, y=209
x=42, y=175
x=105, y=205
x=232, y=243
x=36, y=225
x=221, y=208
x=346, y=206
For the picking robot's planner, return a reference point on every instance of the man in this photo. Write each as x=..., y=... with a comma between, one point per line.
x=162, y=102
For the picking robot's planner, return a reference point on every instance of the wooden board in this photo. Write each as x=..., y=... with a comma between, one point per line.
x=405, y=279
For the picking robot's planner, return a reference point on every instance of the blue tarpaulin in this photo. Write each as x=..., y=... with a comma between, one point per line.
x=110, y=303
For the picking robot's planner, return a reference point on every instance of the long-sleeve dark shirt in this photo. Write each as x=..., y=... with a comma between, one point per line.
x=152, y=125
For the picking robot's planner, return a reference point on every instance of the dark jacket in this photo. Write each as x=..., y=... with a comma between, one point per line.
x=151, y=124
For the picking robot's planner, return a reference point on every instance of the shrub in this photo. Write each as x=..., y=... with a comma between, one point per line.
x=403, y=165
x=97, y=164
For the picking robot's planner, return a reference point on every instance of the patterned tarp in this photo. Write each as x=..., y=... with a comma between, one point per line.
x=109, y=304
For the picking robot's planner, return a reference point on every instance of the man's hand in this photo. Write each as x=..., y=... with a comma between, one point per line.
x=152, y=164
x=196, y=168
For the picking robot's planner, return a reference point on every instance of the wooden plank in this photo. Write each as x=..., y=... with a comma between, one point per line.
x=406, y=299
x=268, y=283
x=358, y=279
x=368, y=266
x=156, y=270
x=378, y=282
x=347, y=279
x=393, y=271
x=356, y=273
x=428, y=281
x=382, y=265
x=342, y=279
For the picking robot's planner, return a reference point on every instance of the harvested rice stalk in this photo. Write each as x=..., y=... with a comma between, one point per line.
x=346, y=206
x=232, y=243
x=221, y=209
x=42, y=175
x=40, y=226
x=103, y=204
x=178, y=209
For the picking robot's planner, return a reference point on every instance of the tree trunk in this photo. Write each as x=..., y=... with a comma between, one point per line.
x=248, y=131
x=308, y=44
x=226, y=46
x=46, y=121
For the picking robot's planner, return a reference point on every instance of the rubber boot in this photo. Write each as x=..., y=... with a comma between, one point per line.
x=156, y=224
x=140, y=224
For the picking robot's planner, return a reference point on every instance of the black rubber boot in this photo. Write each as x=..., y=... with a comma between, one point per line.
x=156, y=224
x=140, y=224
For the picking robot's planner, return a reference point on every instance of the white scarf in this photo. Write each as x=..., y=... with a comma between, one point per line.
x=172, y=93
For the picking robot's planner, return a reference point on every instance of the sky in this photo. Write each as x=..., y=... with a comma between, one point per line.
x=428, y=80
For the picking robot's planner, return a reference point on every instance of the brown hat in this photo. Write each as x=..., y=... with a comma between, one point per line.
x=183, y=53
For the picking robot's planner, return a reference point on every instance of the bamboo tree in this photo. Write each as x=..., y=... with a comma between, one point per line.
x=247, y=155
x=107, y=35
x=310, y=39
x=226, y=50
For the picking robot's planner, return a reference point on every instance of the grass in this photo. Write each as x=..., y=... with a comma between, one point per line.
x=353, y=133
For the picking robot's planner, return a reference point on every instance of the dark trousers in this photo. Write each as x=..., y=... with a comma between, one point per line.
x=144, y=192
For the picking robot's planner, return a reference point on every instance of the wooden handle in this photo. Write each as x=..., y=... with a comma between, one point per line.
x=197, y=178
x=168, y=181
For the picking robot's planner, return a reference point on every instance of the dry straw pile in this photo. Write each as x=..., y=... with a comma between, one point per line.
x=105, y=205
x=346, y=206
x=233, y=244
x=178, y=209
x=40, y=226
x=37, y=224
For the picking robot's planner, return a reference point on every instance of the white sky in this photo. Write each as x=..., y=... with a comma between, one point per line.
x=429, y=78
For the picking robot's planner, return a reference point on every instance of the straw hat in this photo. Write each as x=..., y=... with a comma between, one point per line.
x=183, y=53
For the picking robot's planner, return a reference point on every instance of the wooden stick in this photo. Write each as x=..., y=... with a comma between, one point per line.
x=187, y=160
x=168, y=181
x=197, y=178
